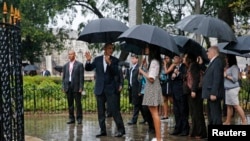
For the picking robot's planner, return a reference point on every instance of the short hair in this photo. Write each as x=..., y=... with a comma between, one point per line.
x=107, y=44
x=134, y=55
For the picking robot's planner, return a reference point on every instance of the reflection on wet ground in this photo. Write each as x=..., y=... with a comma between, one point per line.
x=54, y=128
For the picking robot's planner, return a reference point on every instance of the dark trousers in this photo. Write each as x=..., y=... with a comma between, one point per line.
x=181, y=112
x=111, y=98
x=138, y=108
x=77, y=97
x=148, y=117
x=214, y=112
x=198, y=126
x=119, y=103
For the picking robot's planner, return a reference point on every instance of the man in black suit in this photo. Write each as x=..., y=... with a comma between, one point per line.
x=180, y=101
x=73, y=81
x=45, y=72
x=106, y=71
x=134, y=90
x=213, y=86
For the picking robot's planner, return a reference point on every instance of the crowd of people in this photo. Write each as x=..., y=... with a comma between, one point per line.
x=183, y=80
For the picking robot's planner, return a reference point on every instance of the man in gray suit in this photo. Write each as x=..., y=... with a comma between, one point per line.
x=106, y=89
x=73, y=81
x=213, y=86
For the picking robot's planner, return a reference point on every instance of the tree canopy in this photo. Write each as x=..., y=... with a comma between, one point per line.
x=39, y=40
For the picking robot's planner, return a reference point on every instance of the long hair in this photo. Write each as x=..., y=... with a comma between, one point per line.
x=154, y=53
x=231, y=59
x=190, y=58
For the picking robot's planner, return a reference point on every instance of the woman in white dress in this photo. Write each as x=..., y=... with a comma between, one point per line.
x=153, y=93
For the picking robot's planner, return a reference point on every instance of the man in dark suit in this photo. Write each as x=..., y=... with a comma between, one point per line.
x=180, y=101
x=134, y=90
x=45, y=72
x=106, y=71
x=73, y=81
x=213, y=86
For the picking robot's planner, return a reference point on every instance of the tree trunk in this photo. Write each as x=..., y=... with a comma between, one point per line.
x=226, y=14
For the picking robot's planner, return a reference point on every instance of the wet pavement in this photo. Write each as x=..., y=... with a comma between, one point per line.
x=54, y=128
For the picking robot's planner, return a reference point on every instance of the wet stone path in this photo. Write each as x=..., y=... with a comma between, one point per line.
x=54, y=128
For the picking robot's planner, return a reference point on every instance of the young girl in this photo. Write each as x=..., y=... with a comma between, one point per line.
x=153, y=93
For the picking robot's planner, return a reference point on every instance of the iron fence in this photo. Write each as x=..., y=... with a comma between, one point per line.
x=53, y=100
x=11, y=89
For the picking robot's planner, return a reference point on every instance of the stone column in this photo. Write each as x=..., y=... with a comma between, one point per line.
x=48, y=63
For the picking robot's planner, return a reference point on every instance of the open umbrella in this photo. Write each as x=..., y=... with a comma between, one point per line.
x=30, y=68
x=131, y=48
x=140, y=35
x=59, y=68
x=241, y=46
x=187, y=45
x=103, y=30
x=207, y=26
x=222, y=49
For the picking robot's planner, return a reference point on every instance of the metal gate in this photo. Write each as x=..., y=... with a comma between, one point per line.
x=11, y=83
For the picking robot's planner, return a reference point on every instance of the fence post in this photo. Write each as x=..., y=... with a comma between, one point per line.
x=11, y=82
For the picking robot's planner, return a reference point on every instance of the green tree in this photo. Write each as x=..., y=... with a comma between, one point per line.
x=36, y=15
x=38, y=39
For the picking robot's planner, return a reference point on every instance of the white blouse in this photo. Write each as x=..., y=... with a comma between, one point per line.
x=154, y=69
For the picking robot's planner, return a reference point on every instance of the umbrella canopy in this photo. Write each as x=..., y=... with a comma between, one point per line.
x=207, y=26
x=222, y=49
x=59, y=68
x=30, y=68
x=131, y=48
x=242, y=46
x=123, y=63
x=140, y=35
x=103, y=30
x=187, y=45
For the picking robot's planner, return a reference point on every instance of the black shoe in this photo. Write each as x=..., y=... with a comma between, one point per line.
x=119, y=134
x=101, y=134
x=131, y=123
x=142, y=122
x=175, y=133
x=71, y=122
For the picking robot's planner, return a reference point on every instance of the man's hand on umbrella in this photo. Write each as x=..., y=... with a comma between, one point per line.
x=88, y=56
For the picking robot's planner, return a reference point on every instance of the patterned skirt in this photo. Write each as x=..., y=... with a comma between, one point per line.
x=153, y=93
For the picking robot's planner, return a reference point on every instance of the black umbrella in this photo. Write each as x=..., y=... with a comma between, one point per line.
x=207, y=26
x=103, y=30
x=131, y=48
x=59, y=68
x=222, y=49
x=187, y=45
x=123, y=63
x=140, y=35
x=242, y=46
x=30, y=68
